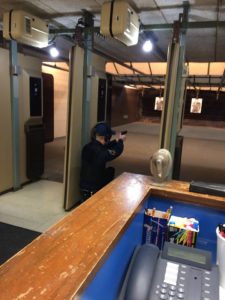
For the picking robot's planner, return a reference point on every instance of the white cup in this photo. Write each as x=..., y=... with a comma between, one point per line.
x=221, y=257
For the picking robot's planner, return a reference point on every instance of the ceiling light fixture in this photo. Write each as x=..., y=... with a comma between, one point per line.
x=54, y=52
x=147, y=46
x=130, y=86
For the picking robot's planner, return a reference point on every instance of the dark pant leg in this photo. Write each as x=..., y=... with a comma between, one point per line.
x=109, y=175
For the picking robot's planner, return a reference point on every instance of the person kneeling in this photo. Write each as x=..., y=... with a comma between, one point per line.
x=94, y=173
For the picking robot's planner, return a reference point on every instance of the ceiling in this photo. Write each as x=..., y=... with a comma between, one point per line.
x=204, y=76
x=202, y=45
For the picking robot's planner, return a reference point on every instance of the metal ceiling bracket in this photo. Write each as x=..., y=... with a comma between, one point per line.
x=197, y=93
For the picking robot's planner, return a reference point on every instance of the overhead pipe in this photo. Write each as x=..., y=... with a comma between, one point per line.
x=189, y=25
x=153, y=27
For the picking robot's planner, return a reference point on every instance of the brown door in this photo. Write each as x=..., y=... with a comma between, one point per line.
x=48, y=107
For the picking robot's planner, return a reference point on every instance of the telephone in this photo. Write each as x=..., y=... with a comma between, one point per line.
x=180, y=272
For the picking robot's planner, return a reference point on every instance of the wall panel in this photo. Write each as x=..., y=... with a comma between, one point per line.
x=6, y=180
x=29, y=65
x=125, y=105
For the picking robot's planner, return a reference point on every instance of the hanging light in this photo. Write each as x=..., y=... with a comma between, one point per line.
x=54, y=52
x=147, y=46
x=130, y=86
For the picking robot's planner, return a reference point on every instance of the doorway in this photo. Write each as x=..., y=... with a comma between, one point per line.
x=55, y=98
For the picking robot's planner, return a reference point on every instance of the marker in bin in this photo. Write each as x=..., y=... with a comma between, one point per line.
x=168, y=213
x=222, y=229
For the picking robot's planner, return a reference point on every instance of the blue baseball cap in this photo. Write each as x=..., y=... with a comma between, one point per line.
x=103, y=129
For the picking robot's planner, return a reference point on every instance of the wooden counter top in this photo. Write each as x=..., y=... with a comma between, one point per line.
x=179, y=190
x=62, y=261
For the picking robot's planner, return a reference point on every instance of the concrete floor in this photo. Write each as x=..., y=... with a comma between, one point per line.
x=202, y=155
x=54, y=160
x=37, y=206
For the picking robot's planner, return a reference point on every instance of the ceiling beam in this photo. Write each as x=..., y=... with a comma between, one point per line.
x=152, y=82
x=190, y=25
x=115, y=60
x=55, y=67
x=169, y=26
x=192, y=80
x=97, y=12
x=188, y=77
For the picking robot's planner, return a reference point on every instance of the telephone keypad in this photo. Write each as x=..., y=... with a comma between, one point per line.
x=181, y=284
x=163, y=291
x=172, y=293
x=172, y=282
x=182, y=278
x=176, y=276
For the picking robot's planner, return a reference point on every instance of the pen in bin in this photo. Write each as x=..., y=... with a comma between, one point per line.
x=153, y=211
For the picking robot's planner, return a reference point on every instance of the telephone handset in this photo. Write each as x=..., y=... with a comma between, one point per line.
x=179, y=272
x=140, y=273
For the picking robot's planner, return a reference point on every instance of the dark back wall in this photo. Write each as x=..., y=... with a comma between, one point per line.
x=125, y=105
x=148, y=103
x=212, y=109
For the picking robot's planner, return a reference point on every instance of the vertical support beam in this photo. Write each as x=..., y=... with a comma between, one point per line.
x=87, y=74
x=174, y=87
x=15, y=114
x=183, y=94
x=74, y=130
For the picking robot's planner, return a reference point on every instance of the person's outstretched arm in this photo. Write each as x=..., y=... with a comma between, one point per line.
x=112, y=150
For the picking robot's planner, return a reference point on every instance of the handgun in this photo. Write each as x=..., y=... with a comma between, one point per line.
x=123, y=132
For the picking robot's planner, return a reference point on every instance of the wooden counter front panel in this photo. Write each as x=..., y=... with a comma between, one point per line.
x=61, y=262
x=106, y=284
